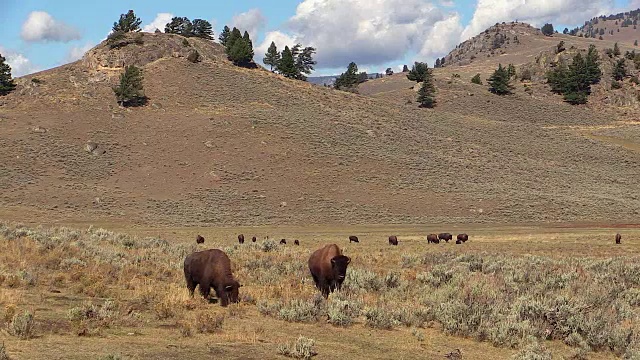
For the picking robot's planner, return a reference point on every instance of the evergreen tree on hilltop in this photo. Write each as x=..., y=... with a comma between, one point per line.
x=247, y=40
x=202, y=29
x=287, y=66
x=128, y=22
x=179, y=25
x=304, y=62
x=7, y=84
x=547, y=29
x=592, y=63
x=130, y=91
x=241, y=52
x=405, y=68
x=499, y=81
x=426, y=94
x=419, y=72
x=557, y=78
x=578, y=86
x=349, y=79
x=224, y=36
x=272, y=57
x=233, y=37
x=437, y=64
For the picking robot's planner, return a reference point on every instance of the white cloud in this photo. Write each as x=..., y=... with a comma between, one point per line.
x=535, y=12
x=40, y=26
x=447, y=3
x=634, y=4
x=20, y=64
x=279, y=38
x=77, y=52
x=158, y=23
x=251, y=21
x=373, y=32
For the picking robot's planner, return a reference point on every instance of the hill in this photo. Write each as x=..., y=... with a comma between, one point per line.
x=621, y=27
x=219, y=144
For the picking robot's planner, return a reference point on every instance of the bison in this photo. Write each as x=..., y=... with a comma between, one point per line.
x=458, y=241
x=618, y=239
x=296, y=242
x=283, y=241
x=433, y=238
x=241, y=239
x=253, y=239
x=462, y=237
x=445, y=236
x=393, y=240
x=328, y=268
x=353, y=238
x=199, y=240
x=211, y=269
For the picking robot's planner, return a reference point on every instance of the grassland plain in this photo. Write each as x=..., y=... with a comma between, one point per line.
x=519, y=293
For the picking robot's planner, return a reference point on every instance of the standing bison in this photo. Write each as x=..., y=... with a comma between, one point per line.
x=296, y=242
x=618, y=239
x=211, y=269
x=393, y=240
x=462, y=237
x=199, y=240
x=353, y=238
x=433, y=238
x=328, y=268
x=241, y=239
x=253, y=239
x=445, y=236
x=283, y=242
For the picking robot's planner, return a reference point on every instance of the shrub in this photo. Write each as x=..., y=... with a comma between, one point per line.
x=616, y=85
x=185, y=43
x=343, y=312
x=206, y=322
x=533, y=351
x=194, y=56
x=302, y=348
x=525, y=75
x=476, y=79
x=36, y=81
x=22, y=325
x=379, y=318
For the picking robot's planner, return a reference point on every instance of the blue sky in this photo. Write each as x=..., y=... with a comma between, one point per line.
x=376, y=35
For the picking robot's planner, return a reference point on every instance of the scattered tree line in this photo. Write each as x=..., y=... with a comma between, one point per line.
x=238, y=46
x=183, y=26
x=574, y=81
x=294, y=63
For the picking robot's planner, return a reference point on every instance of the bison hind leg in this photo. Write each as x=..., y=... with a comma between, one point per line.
x=191, y=285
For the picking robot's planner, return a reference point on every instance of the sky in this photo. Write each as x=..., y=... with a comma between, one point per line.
x=376, y=34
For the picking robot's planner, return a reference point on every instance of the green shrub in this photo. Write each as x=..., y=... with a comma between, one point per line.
x=302, y=348
x=476, y=79
x=22, y=325
x=380, y=318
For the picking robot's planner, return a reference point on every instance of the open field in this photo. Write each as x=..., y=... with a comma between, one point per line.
x=95, y=293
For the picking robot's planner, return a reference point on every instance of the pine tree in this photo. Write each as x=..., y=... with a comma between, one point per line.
x=557, y=78
x=304, y=62
x=426, y=94
x=7, y=84
x=499, y=81
x=128, y=22
x=349, y=79
x=547, y=29
x=616, y=50
x=202, y=29
x=179, y=25
x=287, y=66
x=437, y=64
x=272, y=57
x=442, y=62
x=405, y=68
x=511, y=70
x=419, y=72
x=233, y=37
x=619, y=70
x=224, y=36
x=247, y=40
x=241, y=52
x=130, y=91
x=388, y=72
x=578, y=85
x=476, y=79
x=592, y=62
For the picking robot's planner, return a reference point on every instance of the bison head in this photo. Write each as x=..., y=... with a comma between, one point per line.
x=339, y=266
x=230, y=293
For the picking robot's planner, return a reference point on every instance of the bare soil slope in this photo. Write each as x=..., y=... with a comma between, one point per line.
x=219, y=144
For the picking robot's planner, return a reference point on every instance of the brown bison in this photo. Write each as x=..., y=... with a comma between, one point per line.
x=283, y=242
x=433, y=238
x=296, y=242
x=445, y=236
x=458, y=241
x=353, y=238
x=199, y=240
x=328, y=268
x=241, y=239
x=211, y=269
x=618, y=239
x=393, y=240
x=253, y=239
x=462, y=237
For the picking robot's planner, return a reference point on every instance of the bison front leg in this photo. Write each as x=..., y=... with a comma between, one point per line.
x=205, y=289
x=222, y=295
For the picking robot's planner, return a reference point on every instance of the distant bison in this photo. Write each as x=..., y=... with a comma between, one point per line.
x=618, y=239
x=458, y=241
x=283, y=242
x=353, y=239
x=445, y=236
x=296, y=242
x=328, y=268
x=393, y=240
x=241, y=239
x=253, y=239
x=199, y=240
x=211, y=269
x=433, y=238
x=462, y=237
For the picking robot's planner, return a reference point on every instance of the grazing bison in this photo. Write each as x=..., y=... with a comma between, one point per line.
x=445, y=236
x=253, y=239
x=296, y=242
x=462, y=237
x=433, y=238
x=328, y=268
x=211, y=269
x=283, y=242
x=241, y=239
x=458, y=241
x=393, y=240
x=353, y=239
x=618, y=239
x=199, y=240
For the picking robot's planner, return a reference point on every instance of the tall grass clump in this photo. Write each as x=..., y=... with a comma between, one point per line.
x=302, y=348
